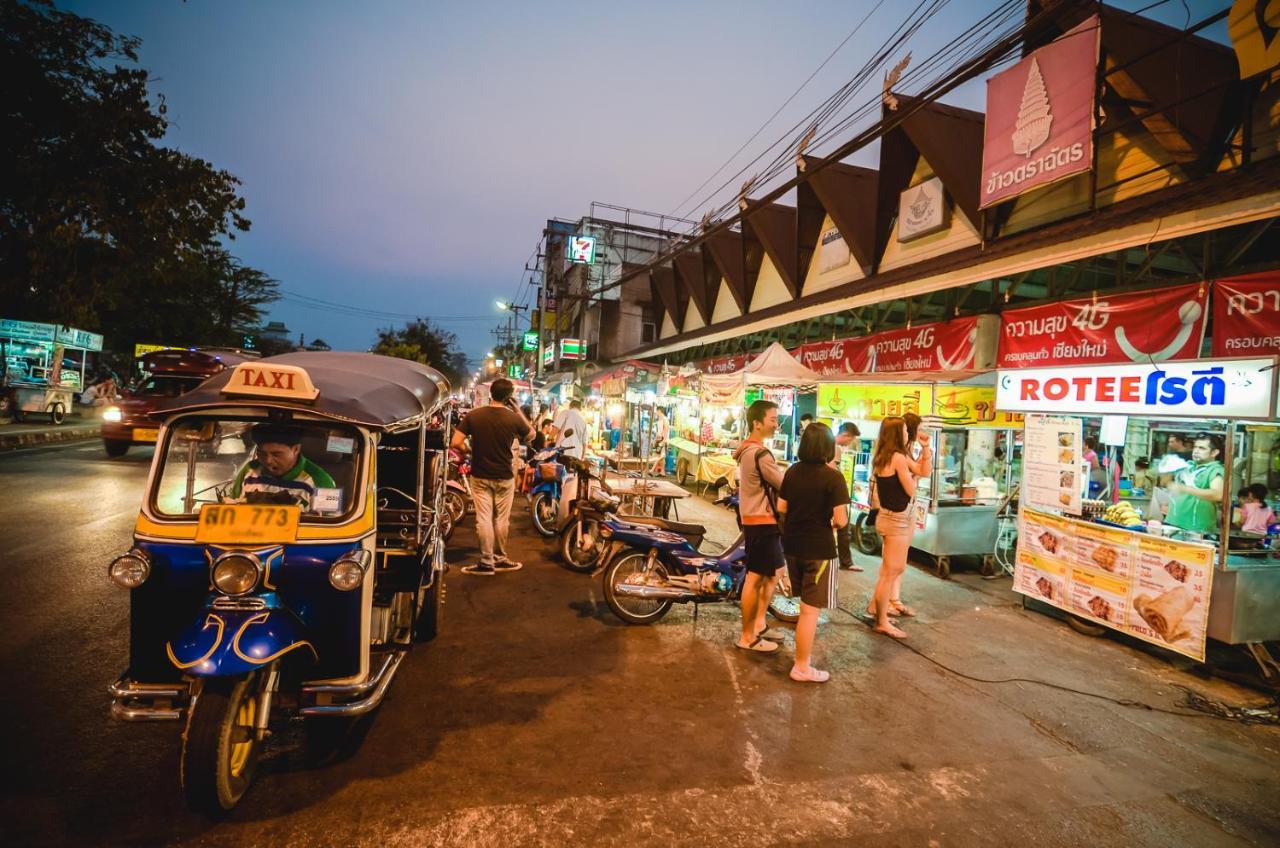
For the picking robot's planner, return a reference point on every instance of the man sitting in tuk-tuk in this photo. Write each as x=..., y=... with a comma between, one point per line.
x=278, y=472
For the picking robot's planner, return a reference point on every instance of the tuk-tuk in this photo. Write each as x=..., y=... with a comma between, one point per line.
x=288, y=554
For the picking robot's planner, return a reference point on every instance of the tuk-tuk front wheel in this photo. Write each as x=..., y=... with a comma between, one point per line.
x=219, y=749
x=116, y=447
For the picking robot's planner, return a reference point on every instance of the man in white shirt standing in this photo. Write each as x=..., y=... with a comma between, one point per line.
x=569, y=418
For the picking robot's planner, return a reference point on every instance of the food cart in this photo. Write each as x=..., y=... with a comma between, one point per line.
x=42, y=366
x=975, y=448
x=1175, y=581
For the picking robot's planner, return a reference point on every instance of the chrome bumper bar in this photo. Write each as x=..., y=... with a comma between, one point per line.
x=133, y=701
x=378, y=684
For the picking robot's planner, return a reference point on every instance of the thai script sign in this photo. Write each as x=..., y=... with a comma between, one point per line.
x=873, y=401
x=1039, y=126
x=1225, y=388
x=1246, y=315
x=922, y=209
x=947, y=346
x=1140, y=327
x=34, y=331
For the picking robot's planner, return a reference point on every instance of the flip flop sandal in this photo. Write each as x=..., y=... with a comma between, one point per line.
x=760, y=646
x=813, y=675
x=893, y=612
x=771, y=634
x=902, y=609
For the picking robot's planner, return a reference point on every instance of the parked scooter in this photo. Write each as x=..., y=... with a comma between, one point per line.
x=545, y=495
x=648, y=569
x=457, y=495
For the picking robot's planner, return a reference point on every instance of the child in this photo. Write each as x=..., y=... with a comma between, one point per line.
x=1255, y=515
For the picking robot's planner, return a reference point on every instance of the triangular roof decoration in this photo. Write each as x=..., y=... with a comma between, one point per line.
x=664, y=283
x=775, y=226
x=727, y=250
x=949, y=138
x=848, y=194
x=691, y=278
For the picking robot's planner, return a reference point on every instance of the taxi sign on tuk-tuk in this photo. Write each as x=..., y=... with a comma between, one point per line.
x=263, y=379
x=247, y=524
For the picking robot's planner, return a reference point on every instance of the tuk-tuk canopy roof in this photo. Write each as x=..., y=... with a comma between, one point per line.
x=362, y=388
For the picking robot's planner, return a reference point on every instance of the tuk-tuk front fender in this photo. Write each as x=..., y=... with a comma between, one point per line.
x=228, y=643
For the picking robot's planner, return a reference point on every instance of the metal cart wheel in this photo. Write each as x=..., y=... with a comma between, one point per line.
x=57, y=413
x=990, y=567
x=942, y=567
x=1088, y=628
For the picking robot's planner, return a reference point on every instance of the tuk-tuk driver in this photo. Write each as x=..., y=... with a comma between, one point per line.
x=278, y=472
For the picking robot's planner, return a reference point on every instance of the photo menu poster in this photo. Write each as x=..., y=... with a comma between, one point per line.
x=1152, y=588
x=1052, y=450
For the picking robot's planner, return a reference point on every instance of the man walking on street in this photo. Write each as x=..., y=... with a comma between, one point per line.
x=846, y=440
x=759, y=479
x=493, y=429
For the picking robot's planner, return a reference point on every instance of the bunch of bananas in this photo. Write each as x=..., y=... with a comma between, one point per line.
x=1123, y=513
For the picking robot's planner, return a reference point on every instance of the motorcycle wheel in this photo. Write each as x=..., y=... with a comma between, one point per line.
x=115, y=447
x=219, y=751
x=456, y=505
x=447, y=525
x=430, y=611
x=634, y=610
x=544, y=510
x=573, y=555
x=865, y=538
x=784, y=607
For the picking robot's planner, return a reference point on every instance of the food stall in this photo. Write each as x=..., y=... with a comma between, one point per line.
x=679, y=392
x=42, y=367
x=975, y=449
x=1171, y=581
x=773, y=375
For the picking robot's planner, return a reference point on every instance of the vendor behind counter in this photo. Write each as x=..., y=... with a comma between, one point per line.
x=1195, y=495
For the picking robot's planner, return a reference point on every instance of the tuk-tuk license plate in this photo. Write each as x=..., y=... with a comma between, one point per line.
x=145, y=435
x=241, y=524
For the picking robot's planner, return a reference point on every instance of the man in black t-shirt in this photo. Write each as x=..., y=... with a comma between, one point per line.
x=493, y=430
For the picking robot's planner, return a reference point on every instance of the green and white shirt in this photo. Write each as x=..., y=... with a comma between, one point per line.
x=298, y=483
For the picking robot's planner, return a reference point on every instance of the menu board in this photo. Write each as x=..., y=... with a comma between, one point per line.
x=1150, y=587
x=1051, y=456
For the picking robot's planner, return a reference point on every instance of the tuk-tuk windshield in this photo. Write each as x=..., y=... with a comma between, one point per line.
x=217, y=460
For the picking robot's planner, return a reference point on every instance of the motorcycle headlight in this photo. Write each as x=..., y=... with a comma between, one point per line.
x=236, y=573
x=347, y=572
x=131, y=570
x=112, y=414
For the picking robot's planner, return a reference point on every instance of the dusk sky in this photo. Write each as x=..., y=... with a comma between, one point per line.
x=405, y=156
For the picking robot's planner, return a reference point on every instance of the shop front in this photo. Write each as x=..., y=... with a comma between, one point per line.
x=1191, y=570
x=976, y=451
x=42, y=367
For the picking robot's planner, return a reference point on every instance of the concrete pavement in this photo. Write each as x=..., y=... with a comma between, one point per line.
x=538, y=719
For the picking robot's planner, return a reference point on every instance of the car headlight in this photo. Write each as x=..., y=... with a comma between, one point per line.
x=131, y=570
x=112, y=414
x=347, y=572
x=236, y=573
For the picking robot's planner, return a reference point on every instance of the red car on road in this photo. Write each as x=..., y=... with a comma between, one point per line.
x=169, y=373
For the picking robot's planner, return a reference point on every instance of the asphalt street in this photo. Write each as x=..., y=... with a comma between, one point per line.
x=538, y=719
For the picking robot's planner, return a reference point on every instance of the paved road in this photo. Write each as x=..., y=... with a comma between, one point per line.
x=537, y=719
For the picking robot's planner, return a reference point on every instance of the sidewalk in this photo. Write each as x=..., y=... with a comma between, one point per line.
x=76, y=428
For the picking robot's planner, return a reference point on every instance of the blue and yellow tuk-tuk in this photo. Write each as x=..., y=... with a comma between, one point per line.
x=288, y=554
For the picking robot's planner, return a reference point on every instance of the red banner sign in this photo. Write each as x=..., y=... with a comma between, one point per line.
x=948, y=346
x=1246, y=315
x=1039, y=126
x=724, y=365
x=1139, y=327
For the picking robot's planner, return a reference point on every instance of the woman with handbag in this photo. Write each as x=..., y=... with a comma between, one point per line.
x=894, y=476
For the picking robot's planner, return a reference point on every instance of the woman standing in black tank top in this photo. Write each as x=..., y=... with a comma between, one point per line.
x=895, y=490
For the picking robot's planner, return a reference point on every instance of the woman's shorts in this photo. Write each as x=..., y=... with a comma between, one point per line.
x=813, y=580
x=890, y=523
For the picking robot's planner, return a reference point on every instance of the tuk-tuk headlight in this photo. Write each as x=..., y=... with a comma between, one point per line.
x=131, y=570
x=347, y=572
x=112, y=414
x=236, y=573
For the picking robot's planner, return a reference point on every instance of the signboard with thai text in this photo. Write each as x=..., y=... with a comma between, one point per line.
x=1210, y=388
x=1148, y=326
x=1039, y=123
x=945, y=346
x=1246, y=315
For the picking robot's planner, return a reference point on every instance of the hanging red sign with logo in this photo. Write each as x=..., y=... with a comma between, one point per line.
x=947, y=346
x=1039, y=126
x=1151, y=326
x=1246, y=315
x=724, y=365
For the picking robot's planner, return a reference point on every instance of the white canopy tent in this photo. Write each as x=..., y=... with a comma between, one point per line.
x=773, y=367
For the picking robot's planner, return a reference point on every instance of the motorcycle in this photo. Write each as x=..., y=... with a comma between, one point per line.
x=545, y=494
x=648, y=569
x=457, y=496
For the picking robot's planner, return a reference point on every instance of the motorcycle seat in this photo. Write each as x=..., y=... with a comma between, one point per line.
x=680, y=527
